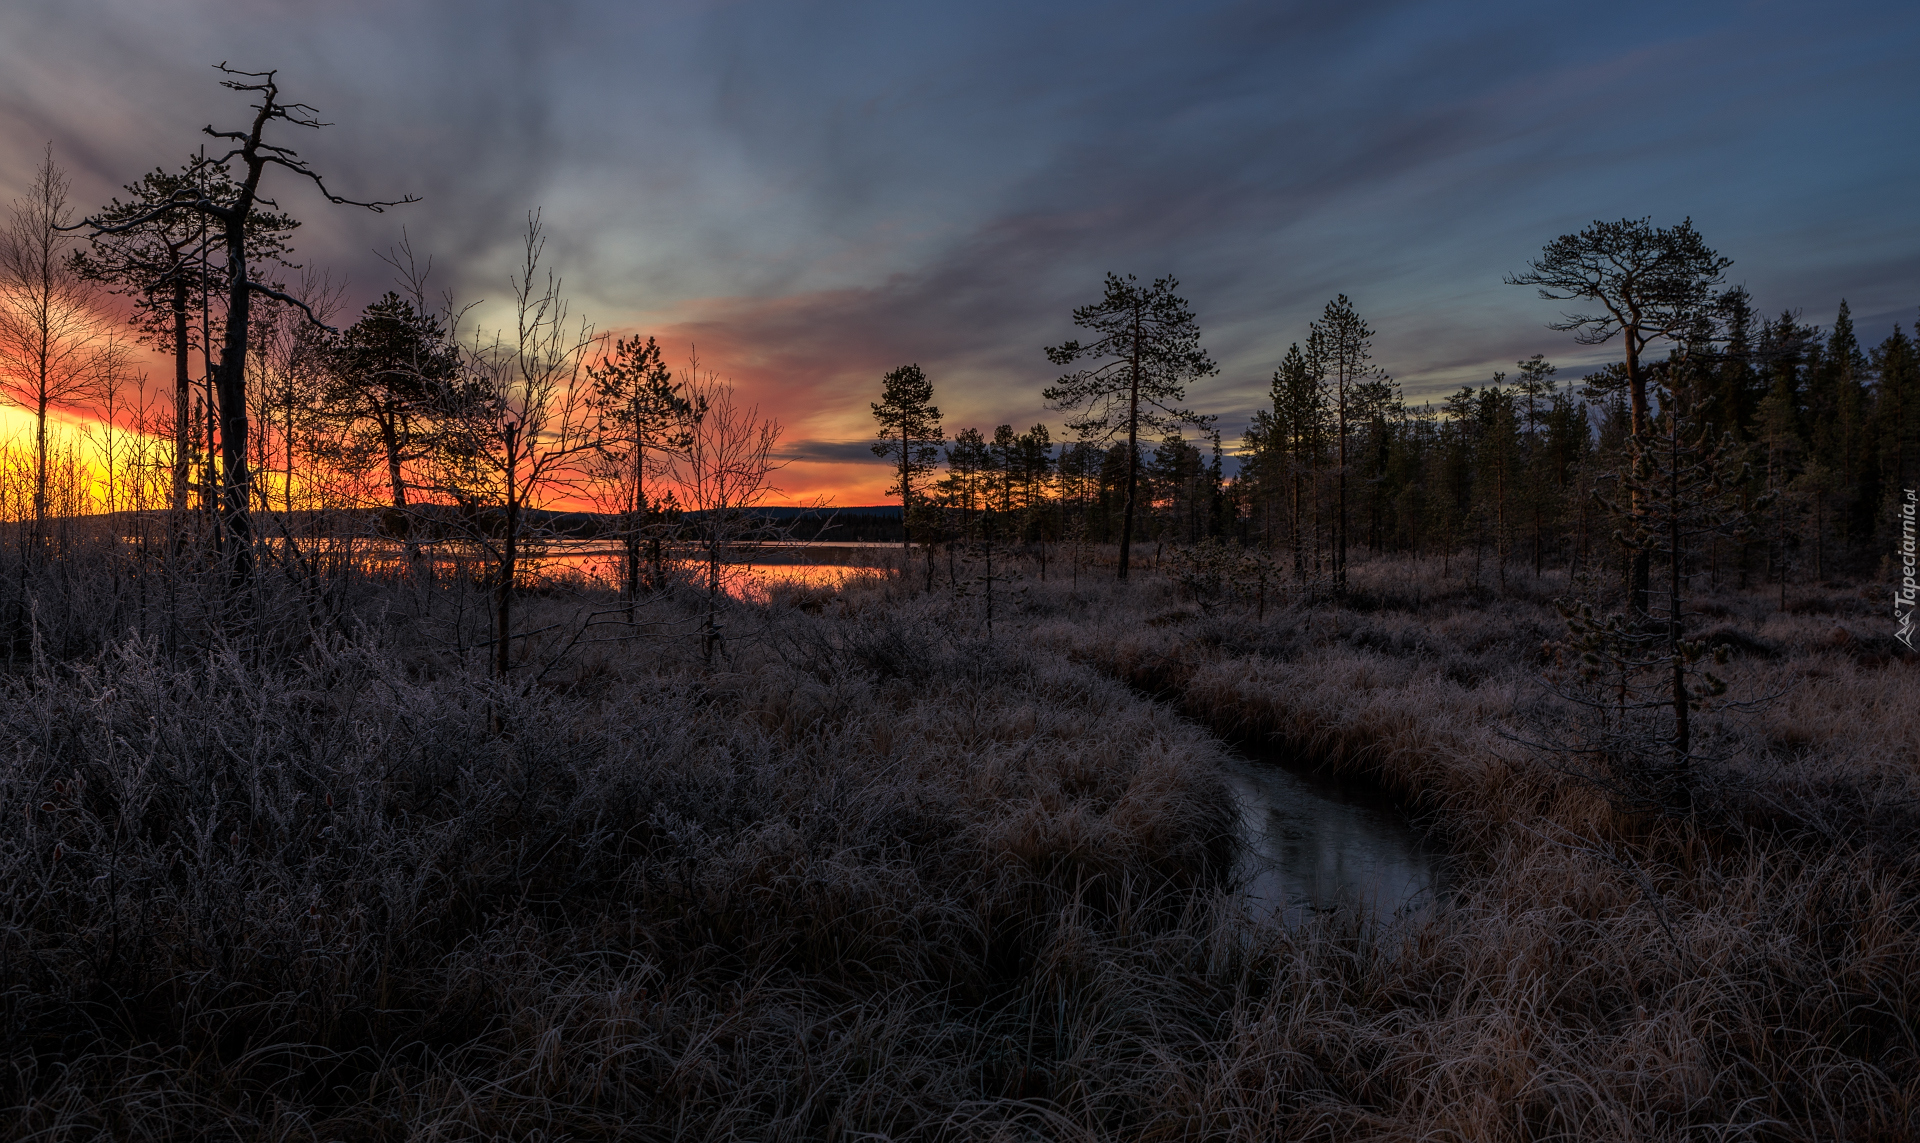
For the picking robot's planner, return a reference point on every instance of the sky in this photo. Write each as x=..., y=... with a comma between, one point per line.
x=812, y=194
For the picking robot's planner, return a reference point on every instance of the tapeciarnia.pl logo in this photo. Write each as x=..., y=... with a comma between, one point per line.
x=1903, y=595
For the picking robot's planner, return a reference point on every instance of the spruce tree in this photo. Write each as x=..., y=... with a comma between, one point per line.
x=1533, y=393
x=1839, y=427
x=1287, y=443
x=1497, y=479
x=1894, y=423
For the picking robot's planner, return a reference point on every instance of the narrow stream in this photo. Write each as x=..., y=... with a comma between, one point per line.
x=1317, y=846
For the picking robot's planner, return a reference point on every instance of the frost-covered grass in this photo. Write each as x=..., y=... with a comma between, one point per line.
x=867, y=874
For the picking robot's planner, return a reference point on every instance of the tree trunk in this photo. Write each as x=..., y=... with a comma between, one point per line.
x=1682, y=741
x=1340, y=506
x=40, y=465
x=503, y=643
x=1133, y=452
x=236, y=482
x=1500, y=522
x=390, y=437
x=639, y=519
x=182, y=399
x=1640, y=561
x=906, y=502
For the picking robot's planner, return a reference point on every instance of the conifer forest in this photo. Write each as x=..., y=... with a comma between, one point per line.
x=430, y=716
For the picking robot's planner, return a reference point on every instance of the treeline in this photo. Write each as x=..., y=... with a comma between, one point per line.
x=1520, y=471
x=1511, y=469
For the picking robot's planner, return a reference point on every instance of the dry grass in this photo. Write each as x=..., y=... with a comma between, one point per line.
x=1746, y=972
x=872, y=876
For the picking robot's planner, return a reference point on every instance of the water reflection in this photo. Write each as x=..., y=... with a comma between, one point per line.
x=750, y=572
x=756, y=582
x=1314, y=846
x=753, y=582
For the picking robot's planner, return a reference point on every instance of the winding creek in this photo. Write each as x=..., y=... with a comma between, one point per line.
x=1314, y=845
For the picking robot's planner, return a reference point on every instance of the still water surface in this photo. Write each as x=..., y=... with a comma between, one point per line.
x=1314, y=845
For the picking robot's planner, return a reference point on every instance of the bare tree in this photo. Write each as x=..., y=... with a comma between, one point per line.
x=290, y=363
x=723, y=478
x=54, y=345
x=115, y=449
x=515, y=430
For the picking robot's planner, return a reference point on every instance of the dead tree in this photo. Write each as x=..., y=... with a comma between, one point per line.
x=723, y=476
x=228, y=214
x=515, y=431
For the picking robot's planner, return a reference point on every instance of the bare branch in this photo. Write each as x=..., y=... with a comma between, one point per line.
x=279, y=296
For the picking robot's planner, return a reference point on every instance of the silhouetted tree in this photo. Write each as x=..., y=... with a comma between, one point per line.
x=909, y=434
x=231, y=212
x=1895, y=421
x=963, y=489
x=387, y=375
x=1148, y=350
x=54, y=344
x=640, y=408
x=724, y=477
x=1533, y=389
x=1340, y=344
x=515, y=430
x=1651, y=284
x=165, y=265
x=1288, y=442
x=1002, y=466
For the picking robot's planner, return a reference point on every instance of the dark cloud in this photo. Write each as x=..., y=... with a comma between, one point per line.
x=832, y=452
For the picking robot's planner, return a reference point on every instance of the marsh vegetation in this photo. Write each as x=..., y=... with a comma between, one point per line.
x=869, y=873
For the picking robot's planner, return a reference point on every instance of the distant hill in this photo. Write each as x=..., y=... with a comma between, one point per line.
x=887, y=511
x=875, y=523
